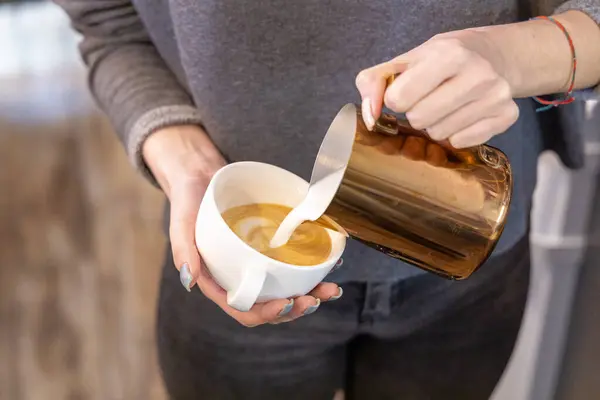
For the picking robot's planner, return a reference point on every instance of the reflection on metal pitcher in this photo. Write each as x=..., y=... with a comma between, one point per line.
x=423, y=202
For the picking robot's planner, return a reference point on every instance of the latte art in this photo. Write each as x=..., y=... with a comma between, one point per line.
x=255, y=224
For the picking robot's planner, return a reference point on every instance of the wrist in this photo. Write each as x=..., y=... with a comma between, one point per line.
x=512, y=56
x=502, y=57
x=488, y=42
x=538, y=58
x=180, y=152
x=484, y=41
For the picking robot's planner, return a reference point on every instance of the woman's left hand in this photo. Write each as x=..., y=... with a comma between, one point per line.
x=452, y=86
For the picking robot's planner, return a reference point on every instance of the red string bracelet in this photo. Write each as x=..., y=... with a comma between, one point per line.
x=568, y=97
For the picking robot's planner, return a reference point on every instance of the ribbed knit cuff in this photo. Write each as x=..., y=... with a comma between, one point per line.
x=150, y=122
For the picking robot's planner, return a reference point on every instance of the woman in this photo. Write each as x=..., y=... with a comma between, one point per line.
x=192, y=85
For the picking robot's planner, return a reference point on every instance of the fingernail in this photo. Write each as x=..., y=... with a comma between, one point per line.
x=286, y=309
x=367, y=112
x=340, y=293
x=185, y=277
x=338, y=264
x=312, y=309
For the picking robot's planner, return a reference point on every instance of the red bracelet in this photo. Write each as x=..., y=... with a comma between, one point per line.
x=568, y=97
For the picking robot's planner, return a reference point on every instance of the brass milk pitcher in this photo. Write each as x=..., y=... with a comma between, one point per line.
x=426, y=203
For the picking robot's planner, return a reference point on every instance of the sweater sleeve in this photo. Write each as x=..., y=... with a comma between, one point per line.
x=128, y=78
x=590, y=7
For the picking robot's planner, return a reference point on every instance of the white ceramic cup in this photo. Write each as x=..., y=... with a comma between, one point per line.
x=248, y=276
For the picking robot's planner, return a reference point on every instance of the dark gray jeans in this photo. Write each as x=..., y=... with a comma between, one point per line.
x=424, y=338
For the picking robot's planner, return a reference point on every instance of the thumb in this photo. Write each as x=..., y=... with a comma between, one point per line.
x=372, y=83
x=185, y=201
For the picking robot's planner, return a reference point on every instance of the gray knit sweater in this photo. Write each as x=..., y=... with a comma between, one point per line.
x=265, y=78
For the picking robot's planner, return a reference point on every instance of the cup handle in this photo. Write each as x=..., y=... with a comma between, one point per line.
x=244, y=297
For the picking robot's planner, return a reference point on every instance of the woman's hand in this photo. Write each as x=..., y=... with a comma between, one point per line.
x=452, y=86
x=183, y=160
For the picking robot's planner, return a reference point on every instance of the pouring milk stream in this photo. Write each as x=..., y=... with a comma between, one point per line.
x=318, y=198
x=327, y=175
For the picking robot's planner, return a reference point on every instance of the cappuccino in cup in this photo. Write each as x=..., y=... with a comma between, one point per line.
x=243, y=205
x=255, y=224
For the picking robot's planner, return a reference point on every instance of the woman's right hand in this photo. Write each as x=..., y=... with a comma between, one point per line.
x=183, y=160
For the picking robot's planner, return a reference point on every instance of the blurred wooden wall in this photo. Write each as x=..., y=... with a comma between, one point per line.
x=81, y=247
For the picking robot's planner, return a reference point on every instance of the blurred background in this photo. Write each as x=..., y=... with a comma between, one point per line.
x=80, y=233
x=81, y=242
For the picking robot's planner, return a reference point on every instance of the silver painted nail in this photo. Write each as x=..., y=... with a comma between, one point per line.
x=312, y=309
x=185, y=277
x=338, y=264
x=286, y=309
x=340, y=293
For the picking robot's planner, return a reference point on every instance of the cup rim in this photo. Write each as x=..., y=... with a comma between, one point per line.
x=214, y=181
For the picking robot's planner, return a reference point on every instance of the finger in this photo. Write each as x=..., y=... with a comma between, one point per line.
x=282, y=320
x=326, y=291
x=261, y=314
x=437, y=64
x=483, y=130
x=304, y=305
x=497, y=97
x=473, y=83
x=210, y=287
x=185, y=200
x=371, y=84
x=277, y=309
x=257, y=315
